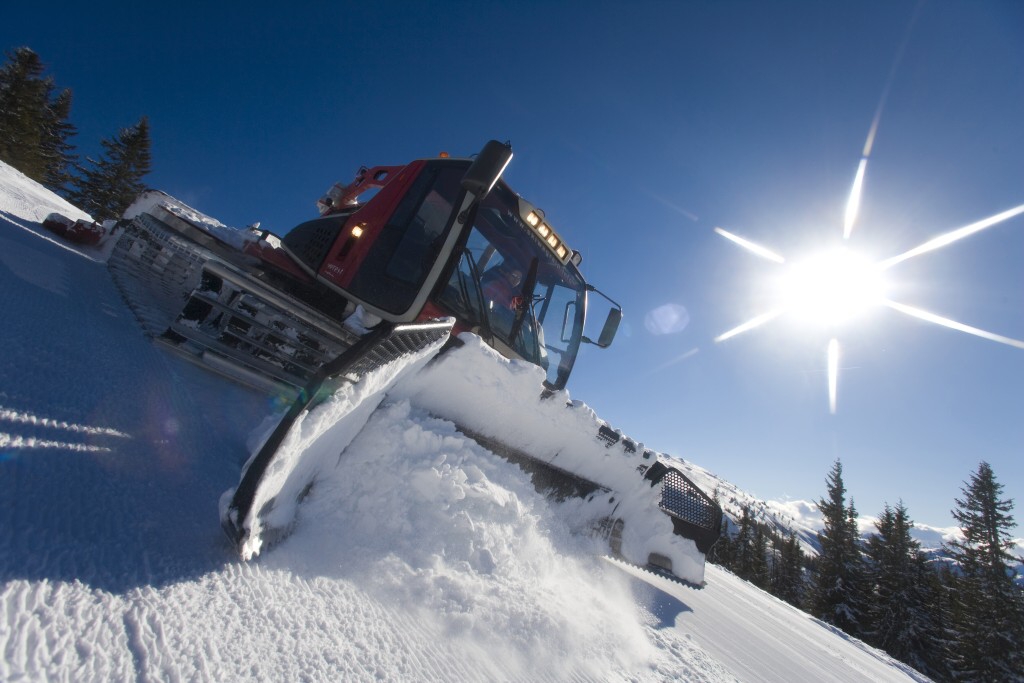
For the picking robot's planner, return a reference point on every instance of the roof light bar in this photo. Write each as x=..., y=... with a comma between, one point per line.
x=535, y=219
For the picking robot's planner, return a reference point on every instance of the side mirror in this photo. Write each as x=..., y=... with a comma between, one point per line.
x=488, y=166
x=611, y=323
x=611, y=326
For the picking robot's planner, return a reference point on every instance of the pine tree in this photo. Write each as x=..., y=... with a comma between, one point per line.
x=722, y=553
x=23, y=94
x=743, y=546
x=787, y=575
x=858, y=578
x=56, y=148
x=837, y=593
x=759, y=570
x=900, y=619
x=114, y=181
x=34, y=129
x=989, y=616
x=937, y=596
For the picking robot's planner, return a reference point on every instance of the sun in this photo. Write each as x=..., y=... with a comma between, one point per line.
x=831, y=288
x=834, y=288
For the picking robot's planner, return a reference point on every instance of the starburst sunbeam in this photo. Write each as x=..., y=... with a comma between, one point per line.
x=763, y=252
x=853, y=203
x=953, y=324
x=750, y=324
x=832, y=288
x=953, y=236
x=833, y=374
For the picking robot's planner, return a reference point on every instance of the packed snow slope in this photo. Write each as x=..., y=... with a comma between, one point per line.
x=428, y=558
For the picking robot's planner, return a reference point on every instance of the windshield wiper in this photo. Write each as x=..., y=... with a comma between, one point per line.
x=480, y=309
x=526, y=297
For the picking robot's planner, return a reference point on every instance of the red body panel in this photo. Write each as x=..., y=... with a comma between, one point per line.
x=345, y=257
x=79, y=232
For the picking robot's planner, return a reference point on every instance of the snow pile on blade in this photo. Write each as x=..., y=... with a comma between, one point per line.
x=429, y=524
x=478, y=389
x=313, y=446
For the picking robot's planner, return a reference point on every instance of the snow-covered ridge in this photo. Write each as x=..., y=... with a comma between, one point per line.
x=23, y=198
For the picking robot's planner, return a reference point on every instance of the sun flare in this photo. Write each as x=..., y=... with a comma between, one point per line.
x=834, y=288
x=831, y=288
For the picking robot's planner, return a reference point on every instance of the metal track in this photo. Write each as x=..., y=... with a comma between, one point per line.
x=155, y=268
x=651, y=569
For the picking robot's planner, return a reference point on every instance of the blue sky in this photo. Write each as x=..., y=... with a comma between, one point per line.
x=639, y=128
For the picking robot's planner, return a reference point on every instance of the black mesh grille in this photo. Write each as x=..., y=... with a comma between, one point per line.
x=311, y=241
x=680, y=498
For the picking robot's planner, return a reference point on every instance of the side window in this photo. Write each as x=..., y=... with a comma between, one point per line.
x=401, y=257
x=558, y=315
x=414, y=254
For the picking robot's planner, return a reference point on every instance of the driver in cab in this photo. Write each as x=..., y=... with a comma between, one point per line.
x=503, y=287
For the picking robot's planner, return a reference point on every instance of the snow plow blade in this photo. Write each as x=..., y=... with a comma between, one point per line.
x=281, y=472
x=695, y=515
x=642, y=502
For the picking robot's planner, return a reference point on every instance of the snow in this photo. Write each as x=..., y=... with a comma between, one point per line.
x=24, y=201
x=312, y=447
x=150, y=199
x=418, y=555
x=473, y=384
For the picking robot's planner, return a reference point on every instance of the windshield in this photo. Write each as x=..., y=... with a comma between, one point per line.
x=508, y=281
